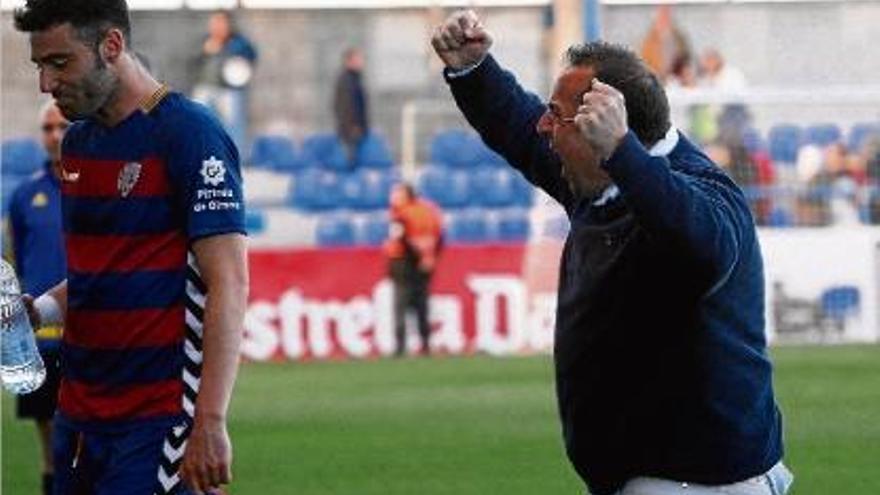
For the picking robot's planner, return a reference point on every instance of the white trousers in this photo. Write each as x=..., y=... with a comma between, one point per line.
x=776, y=481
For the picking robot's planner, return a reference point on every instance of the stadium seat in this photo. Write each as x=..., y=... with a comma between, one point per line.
x=457, y=148
x=316, y=189
x=822, y=134
x=448, y=187
x=859, y=133
x=780, y=217
x=514, y=225
x=254, y=221
x=276, y=153
x=469, y=226
x=373, y=152
x=841, y=302
x=785, y=139
x=327, y=151
x=335, y=230
x=376, y=187
x=524, y=191
x=492, y=187
x=374, y=230
x=21, y=157
x=752, y=140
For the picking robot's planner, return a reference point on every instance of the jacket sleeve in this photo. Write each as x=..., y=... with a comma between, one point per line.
x=505, y=116
x=701, y=214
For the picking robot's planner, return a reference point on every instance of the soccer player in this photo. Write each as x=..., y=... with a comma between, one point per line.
x=662, y=376
x=38, y=247
x=156, y=286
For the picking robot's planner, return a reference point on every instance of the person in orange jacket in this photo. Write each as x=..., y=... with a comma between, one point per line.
x=413, y=246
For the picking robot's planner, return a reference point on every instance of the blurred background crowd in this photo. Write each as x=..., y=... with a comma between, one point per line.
x=331, y=104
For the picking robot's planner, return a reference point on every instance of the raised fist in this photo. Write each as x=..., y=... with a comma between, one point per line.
x=461, y=41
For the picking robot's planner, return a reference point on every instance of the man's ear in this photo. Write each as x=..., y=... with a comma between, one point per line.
x=112, y=46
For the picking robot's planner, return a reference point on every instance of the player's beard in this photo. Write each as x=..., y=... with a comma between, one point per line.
x=96, y=90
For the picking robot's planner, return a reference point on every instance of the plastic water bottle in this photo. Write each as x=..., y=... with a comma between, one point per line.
x=21, y=367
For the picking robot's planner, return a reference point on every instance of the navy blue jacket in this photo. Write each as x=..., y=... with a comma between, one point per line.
x=660, y=352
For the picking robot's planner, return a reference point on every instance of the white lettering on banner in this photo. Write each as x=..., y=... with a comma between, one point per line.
x=489, y=292
x=364, y=325
x=260, y=340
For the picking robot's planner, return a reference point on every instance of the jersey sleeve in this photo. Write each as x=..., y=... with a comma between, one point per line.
x=205, y=169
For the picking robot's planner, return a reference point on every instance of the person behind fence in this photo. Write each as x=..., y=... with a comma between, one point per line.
x=37, y=244
x=663, y=381
x=225, y=67
x=350, y=105
x=413, y=246
x=153, y=302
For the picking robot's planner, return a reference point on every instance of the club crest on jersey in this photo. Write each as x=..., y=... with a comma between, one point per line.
x=128, y=178
x=213, y=171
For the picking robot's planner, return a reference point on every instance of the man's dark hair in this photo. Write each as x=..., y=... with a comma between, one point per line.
x=647, y=108
x=91, y=19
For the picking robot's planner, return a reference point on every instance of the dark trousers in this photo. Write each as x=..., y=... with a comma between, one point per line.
x=411, y=291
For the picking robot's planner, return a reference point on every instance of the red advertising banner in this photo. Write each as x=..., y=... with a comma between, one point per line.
x=337, y=303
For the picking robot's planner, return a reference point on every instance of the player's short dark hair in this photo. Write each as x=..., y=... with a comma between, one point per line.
x=91, y=19
x=647, y=107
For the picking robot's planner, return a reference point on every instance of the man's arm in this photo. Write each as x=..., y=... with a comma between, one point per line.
x=496, y=105
x=703, y=218
x=222, y=262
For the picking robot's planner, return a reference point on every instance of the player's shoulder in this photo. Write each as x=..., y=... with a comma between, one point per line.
x=183, y=116
x=76, y=133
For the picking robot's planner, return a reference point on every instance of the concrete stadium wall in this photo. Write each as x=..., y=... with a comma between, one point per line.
x=774, y=44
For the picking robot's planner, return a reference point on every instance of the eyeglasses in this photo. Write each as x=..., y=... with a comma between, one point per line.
x=553, y=110
x=52, y=127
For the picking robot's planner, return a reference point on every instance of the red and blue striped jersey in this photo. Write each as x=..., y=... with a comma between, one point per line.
x=135, y=198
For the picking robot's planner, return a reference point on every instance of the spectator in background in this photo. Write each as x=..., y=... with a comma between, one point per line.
x=665, y=44
x=350, y=102
x=38, y=249
x=225, y=68
x=715, y=74
x=871, y=153
x=414, y=243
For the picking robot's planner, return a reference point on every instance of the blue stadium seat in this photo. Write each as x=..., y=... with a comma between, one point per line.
x=373, y=152
x=254, y=221
x=276, y=153
x=374, y=230
x=469, y=226
x=822, y=134
x=524, y=191
x=780, y=217
x=752, y=140
x=328, y=151
x=785, y=140
x=457, y=148
x=492, y=187
x=448, y=187
x=21, y=157
x=859, y=133
x=335, y=230
x=376, y=187
x=514, y=225
x=488, y=157
x=841, y=302
x=316, y=189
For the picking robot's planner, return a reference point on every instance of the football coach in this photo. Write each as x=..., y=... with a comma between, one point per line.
x=663, y=381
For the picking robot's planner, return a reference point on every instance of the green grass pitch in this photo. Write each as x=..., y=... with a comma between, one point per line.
x=481, y=425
